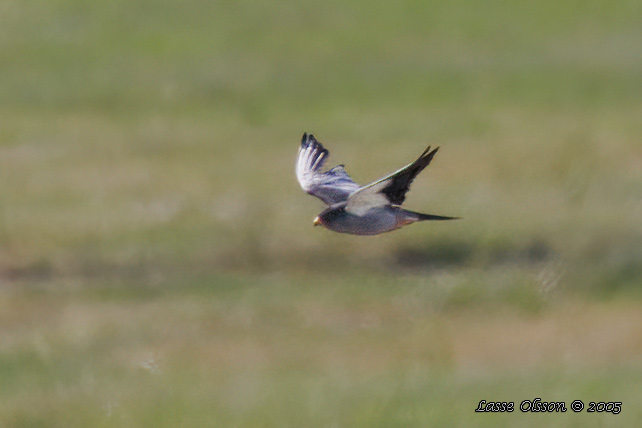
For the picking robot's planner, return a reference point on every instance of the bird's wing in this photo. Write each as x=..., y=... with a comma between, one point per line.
x=390, y=190
x=332, y=186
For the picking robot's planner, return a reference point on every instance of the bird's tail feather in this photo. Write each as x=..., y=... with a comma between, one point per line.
x=421, y=217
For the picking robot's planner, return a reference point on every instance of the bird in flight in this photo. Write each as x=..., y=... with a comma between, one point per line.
x=354, y=209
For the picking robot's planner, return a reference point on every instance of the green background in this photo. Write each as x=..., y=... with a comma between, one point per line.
x=158, y=264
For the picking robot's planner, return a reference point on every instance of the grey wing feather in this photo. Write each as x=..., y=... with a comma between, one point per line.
x=390, y=190
x=332, y=186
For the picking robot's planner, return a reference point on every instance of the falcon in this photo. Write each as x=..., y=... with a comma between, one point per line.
x=359, y=210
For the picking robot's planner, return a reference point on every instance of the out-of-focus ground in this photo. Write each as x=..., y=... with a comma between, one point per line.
x=158, y=264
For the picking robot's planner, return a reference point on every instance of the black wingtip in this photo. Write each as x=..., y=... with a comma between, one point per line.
x=308, y=139
x=429, y=152
x=424, y=160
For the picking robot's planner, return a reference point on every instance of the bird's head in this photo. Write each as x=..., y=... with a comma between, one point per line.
x=330, y=217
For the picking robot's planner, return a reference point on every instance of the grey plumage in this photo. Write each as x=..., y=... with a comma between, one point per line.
x=367, y=210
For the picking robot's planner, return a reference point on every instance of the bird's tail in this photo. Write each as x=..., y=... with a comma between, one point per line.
x=421, y=217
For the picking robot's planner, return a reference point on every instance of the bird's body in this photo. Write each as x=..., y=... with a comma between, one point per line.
x=368, y=210
x=372, y=222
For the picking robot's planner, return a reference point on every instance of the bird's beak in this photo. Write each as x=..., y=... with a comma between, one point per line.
x=317, y=221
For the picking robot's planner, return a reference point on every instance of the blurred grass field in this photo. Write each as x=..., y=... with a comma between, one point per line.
x=158, y=264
